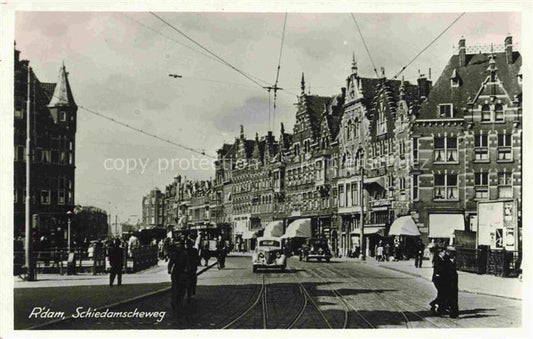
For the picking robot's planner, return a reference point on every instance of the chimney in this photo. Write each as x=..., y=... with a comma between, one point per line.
x=462, y=52
x=509, y=49
x=424, y=86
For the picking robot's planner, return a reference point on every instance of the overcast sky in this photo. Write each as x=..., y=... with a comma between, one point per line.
x=119, y=65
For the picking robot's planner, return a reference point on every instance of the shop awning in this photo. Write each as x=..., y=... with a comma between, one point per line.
x=375, y=180
x=404, y=226
x=300, y=228
x=443, y=225
x=249, y=234
x=274, y=229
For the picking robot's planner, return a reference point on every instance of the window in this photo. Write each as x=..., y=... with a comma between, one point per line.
x=498, y=113
x=19, y=153
x=45, y=197
x=18, y=114
x=446, y=110
x=415, y=150
x=481, y=147
x=504, y=147
x=505, y=188
x=485, y=113
x=415, y=186
x=62, y=116
x=382, y=121
x=45, y=156
x=481, y=181
x=349, y=131
x=15, y=196
x=445, y=187
x=63, y=157
x=355, y=194
x=348, y=195
x=356, y=129
x=341, y=195
x=445, y=149
x=61, y=197
x=402, y=183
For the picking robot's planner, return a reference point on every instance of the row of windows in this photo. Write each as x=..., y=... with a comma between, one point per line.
x=489, y=113
x=46, y=156
x=61, y=196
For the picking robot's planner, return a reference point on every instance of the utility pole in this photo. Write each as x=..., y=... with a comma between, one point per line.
x=28, y=226
x=362, y=255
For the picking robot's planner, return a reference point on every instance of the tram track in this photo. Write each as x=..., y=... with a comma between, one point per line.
x=260, y=297
x=399, y=303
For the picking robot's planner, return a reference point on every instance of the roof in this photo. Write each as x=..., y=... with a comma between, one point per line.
x=471, y=76
x=62, y=93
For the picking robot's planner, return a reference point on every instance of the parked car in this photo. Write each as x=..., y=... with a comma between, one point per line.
x=315, y=248
x=269, y=254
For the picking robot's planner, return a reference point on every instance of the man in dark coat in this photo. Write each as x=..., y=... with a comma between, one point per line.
x=439, y=280
x=177, y=267
x=451, y=288
x=419, y=254
x=194, y=262
x=116, y=259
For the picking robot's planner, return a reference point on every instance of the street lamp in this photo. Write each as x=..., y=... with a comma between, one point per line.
x=69, y=215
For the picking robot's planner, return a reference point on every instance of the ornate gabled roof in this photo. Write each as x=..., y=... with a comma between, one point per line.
x=62, y=93
x=472, y=75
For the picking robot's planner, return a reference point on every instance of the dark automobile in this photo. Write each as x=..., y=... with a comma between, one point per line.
x=315, y=248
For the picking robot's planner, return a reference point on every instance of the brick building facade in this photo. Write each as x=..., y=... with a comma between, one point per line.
x=380, y=149
x=53, y=127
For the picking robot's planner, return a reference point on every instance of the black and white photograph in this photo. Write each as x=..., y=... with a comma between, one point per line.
x=348, y=169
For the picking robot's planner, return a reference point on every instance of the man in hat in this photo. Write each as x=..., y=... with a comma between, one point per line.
x=439, y=280
x=177, y=266
x=451, y=288
x=116, y=259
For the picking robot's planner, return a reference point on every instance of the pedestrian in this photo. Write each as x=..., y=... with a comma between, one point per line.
x=451, y=288
x=194, y=262
x=221, y=255
x=116, y=260
x=386, y=251
x=204, y=251
x=177, y=266
x=419, y=253
x=439, y=279
x=396, y=249
x=379, y=252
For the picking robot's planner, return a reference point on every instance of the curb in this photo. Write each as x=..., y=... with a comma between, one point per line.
x=119, y=303
x=461, y=290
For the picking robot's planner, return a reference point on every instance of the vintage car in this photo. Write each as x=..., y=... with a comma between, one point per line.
x=269, y=254
x=315, y=248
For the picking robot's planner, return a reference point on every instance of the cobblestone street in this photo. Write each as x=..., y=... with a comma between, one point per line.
x=338, y=294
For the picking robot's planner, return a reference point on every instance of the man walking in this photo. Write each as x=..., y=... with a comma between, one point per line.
x=452, y=288
x=177, y=266
x=439, y=280
x=116, y=260
x=419, y=255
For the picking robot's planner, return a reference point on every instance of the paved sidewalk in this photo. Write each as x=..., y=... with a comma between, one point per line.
x=156, y=274
x=468, y=282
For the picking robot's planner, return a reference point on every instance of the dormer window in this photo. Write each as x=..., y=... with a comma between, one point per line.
x=485, y=113
x=446, y=110
x=498, y=113
x=454, y=79
x=62, y=116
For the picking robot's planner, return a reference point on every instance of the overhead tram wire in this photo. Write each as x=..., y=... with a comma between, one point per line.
x=207, y=50
x=138, y=129
x=276, y=88
x=428, y=45
x=199, y=52
x=364, y=43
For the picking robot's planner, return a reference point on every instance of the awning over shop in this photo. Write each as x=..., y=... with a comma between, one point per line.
x=274, y=229
x=404, y=226
x=249, y=234
x=374, y=181
x=443, y=225
x=300, y=228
